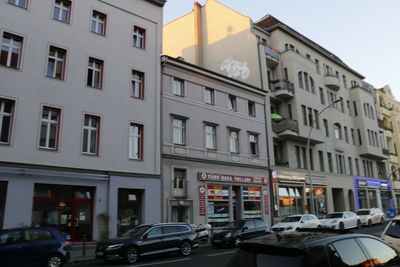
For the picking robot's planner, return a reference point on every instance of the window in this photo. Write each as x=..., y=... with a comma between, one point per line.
x=11, y=50
x=357, y=167
x=95, y=73
x=20, y=3
x=344, y=81
x=137, y=84
x=300, y=76
x=129, y=209
x=178, y=131
x=252, y=108
x=34, y=235
x=355, y=108
x=317, y=66
x=139, y=37
x=316, y=119
x=353, y=138
x=178, y=87
x=210, y=136
x=136, y=141
x=49, y=128
x=304, y=156
x=209, y=96
x=304, y=111
x=380, y=252
x=253, y=139
x=56, y=63
x=233, y=141
x=326, y=126
x=232, y=102
x=330, y=162
x=6, y=119
x=321, y=161
x=346, y=135
x=359, y=137
x=350, y=165
x=312, y=85
x=310, y=117
x=10, y=238
x=338, y=131
x=321, y=95
x=99, y=21
x=298, y=157
x=179, y=178
x=91, y=128
x=348, y=107
x=62, y=10
x=346, y=252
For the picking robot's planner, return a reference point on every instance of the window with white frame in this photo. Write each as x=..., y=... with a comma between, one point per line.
x=49, y=128
x=179, y=178
x=56, y=63
x=253, y=140
x=137, y=84
x=6, y=120
x=233, y=141
x=91, y=128
x=11, y=50
x=62, y=10
x=338, y=131
x=20, y=3
x=251, y=106
x=178, y=131
x=178, y=87
x=232, y=102
x=210, y=136
x=209, y=96
x=139, y=37
x=99, y=21
x=95, y=73
x=136, y=141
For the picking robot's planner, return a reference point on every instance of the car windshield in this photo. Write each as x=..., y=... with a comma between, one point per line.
x=363, y=212
x=292, y=219
x=234, y=225
x=334, y=215
x=394, y=229
x=137, y=231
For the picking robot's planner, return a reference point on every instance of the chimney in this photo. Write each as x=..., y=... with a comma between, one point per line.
x=198, y=34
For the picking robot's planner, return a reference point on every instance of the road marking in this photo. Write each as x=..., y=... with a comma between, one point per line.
x=162, y=262
x=222, y=253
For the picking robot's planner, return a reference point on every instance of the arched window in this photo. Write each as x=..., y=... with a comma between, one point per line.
x=338, y=131
x=301, y=79
x=312, y=85
x=365, y=110
x=306, y=82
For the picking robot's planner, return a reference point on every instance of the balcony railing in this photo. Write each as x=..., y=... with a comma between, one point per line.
x=277, y=85
x=385, y=151
x=332, y=81
x=285, y=124
x=272, y=53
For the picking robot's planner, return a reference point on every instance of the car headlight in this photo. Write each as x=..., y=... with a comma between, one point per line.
x=289, y=228
x=116, y=246
x=227, y=235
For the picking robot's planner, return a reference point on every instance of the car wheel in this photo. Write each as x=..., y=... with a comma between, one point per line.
x=131, y=255
x=237, y=241
x=186, y=248
x=369, y=223
x=319, y=226
x=359, y=224
x=54, y=261
x=341, y=226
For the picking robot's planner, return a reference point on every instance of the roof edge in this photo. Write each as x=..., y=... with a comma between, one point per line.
x=160, y=3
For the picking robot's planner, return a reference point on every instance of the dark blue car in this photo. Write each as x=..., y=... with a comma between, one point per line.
x=33, y=246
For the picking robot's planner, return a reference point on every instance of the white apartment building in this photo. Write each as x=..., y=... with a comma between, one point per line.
x=80, y=115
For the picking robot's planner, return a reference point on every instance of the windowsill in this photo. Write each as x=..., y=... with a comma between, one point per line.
x=89, y=154
x=98, y=34
x=138, y=98
x=64, y=22
x=142, y=48
x=211, y=149
x=234, y=153
x=178, y=95
x=26, y=8
x=11, y=68
x=175, y=144
x=54, y=78
x=48, y=149
x=139, y=160
x=96, y=88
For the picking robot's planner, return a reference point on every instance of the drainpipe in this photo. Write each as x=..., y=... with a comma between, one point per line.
x=198, y=34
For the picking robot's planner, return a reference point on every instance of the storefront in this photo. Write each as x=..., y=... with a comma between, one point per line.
x=224, y=198
x=320, y=197
x=3, y=193
x=372, y=194
x=129, y=209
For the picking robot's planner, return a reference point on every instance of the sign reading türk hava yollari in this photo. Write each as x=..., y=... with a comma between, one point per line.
x=204, y=176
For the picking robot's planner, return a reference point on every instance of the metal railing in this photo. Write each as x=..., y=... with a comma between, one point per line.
x=277, y=85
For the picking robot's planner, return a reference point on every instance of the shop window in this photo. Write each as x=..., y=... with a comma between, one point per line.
x=319, y=201
x=362, y=199
x=3, y=193
x=290, y=200
x=129, y=209
x=179, y=182
x=218, y=205
x=251, y=203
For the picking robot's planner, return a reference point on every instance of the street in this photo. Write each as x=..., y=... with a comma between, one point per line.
x=212, y=256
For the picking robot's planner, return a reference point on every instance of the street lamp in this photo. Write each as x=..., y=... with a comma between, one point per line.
x=308, y=153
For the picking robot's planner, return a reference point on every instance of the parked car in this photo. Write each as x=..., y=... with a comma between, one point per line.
x=295, y=222
x=341, y=220
x=371, y=216
x=307, y=248
x=202, y=232
x=391, y=234
x=149, y=239
x=236, y=231
x=33, y=246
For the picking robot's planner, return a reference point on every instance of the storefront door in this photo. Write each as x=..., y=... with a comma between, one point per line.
x=81, y=220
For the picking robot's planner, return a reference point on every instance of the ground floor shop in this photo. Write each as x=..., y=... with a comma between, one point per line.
x=371, y=193
x=83, y=206
x=214, y=194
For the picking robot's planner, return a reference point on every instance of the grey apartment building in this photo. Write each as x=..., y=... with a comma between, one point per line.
x=214, y=156
x=80, y=114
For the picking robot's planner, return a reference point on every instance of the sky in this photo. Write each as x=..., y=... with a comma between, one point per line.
x=365, y=34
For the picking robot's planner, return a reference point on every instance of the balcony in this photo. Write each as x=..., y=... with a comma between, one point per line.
x=372, y=152
x=332, y=82
x=282, y=89
x=285, y=125
x=289, y=129
x=381, y=125
x=272, y=56
x=385, y=151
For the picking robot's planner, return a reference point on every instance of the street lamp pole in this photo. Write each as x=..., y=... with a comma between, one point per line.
x=308, y=153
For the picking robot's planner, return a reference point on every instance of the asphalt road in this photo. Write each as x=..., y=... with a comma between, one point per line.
x=211, y=257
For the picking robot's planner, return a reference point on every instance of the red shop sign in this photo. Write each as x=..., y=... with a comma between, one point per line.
x=203, y=176
x=265, y=197
x=202, y=202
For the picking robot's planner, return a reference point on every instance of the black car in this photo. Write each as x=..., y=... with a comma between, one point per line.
x=33, y=246
x=308, y=248
x=236, y=231
x=149, y=239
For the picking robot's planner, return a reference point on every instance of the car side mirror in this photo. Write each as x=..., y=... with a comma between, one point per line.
x=245, y=228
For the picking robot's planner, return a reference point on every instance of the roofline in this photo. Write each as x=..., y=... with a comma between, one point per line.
x=160, y=3
x=222, y=78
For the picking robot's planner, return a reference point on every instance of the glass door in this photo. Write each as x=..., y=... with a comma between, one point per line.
x=82, y=220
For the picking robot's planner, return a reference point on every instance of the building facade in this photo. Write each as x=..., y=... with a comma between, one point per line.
x=303, y=81
x=215, y=164
x=80, y=117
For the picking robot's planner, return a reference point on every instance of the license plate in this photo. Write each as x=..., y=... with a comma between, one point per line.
x=99, y=253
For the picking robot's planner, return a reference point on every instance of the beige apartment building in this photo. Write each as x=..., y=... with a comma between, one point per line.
x=301, y=79
x=389, y=109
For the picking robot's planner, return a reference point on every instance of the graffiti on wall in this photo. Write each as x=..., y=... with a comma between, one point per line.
x=235, y=68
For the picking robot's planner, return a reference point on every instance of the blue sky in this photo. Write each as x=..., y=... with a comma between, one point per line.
x=363, y=33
